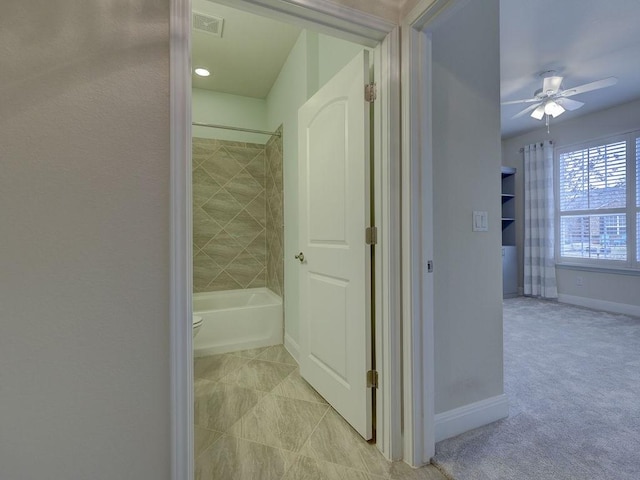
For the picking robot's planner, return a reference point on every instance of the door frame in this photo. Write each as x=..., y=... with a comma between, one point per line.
x=417, y=244
x=349, y=24
x=418, y=316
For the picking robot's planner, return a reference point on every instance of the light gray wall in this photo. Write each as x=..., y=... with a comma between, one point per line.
x=84, y=257
x=232, y=110
x=619, y=289
x=333, y=54
x=307, y=68
x=286, y=95
x=466, y=172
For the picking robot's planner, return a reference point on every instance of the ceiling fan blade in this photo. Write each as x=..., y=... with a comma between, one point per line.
x=525, y=100
x=551, y=85
x=525, y=111
x=569, y=104
x=538, y=113
x=587, y=87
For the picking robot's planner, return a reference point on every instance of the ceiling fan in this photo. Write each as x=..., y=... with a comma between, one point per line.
x=553, y=100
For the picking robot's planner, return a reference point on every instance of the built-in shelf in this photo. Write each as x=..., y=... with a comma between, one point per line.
x=509, y=255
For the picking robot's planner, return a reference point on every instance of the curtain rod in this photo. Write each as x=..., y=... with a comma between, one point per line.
x=238, y=129
x=541, y=144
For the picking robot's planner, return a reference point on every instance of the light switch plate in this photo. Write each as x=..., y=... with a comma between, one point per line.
x=480, y=221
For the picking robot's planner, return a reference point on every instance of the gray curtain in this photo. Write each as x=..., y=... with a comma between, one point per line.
x=539, y=224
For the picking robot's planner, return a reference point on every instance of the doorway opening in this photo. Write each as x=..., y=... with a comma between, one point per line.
x=246, y=216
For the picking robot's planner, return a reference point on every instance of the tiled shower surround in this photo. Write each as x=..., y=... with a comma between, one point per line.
x=275, y=213
x=233, y=243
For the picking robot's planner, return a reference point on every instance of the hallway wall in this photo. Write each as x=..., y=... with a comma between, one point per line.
x=466, y=172
x=84, y=263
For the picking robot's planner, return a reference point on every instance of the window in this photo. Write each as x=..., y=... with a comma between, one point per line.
x=598, y=202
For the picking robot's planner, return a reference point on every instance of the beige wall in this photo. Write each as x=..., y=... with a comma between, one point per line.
x=84, y=228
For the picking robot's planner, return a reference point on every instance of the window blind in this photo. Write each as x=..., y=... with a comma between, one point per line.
x=594, y=178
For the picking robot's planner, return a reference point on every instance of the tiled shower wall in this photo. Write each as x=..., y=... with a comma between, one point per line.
x=275, y=213
x=230, y=215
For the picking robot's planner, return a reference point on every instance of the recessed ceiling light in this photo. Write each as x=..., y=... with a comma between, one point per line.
x=202, y=72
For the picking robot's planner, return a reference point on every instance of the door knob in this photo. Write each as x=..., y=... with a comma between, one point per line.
x=300, y=257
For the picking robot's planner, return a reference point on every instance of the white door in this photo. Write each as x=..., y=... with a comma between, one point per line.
x=335, y=293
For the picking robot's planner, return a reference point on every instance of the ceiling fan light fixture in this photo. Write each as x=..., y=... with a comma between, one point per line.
x=551, y=100
x=538, y=113
x=554, y=109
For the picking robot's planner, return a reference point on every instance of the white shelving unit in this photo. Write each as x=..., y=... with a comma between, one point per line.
x=509, y=255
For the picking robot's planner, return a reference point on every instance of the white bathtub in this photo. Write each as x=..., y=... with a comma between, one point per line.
x=237, y=320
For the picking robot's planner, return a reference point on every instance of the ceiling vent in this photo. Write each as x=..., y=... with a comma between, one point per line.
x=208, y=24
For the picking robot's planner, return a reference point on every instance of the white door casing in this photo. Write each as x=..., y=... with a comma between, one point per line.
x=345, y=23
x=334, y=211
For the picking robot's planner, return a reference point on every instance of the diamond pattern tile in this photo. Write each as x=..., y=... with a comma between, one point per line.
x=205, y=270
x=257, y=247
x=201, y=150
x=261, y=420
x=223, y=207
x=244, y=155
x=244, y=229
x=274, y=214
x=237, y=214
x=222, y=248
x=204, y=227
x=222, y=282
x=244, y=188
x=257, y=209
x=260, y=280
x=257, y=168
x=221, y=166
x=204, y=186
x=244, y=268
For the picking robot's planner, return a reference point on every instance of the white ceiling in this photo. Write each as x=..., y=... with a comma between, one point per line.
x=247, y=59
x=583, y=40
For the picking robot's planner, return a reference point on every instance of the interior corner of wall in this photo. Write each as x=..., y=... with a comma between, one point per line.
x=313, y=63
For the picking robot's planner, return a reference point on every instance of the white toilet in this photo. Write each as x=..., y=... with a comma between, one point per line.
x=197, y=323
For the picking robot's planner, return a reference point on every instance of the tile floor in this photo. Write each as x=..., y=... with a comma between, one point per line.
x=257, y=419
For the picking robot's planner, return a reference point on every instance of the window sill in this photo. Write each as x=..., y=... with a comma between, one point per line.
x=597, y=269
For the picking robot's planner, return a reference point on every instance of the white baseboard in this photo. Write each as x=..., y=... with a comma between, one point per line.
x=604, y=305
x=459, y=420
x=292, y=347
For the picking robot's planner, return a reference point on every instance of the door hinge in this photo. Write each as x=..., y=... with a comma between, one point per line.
x=371, y=235
x=372, y=379
x=370, y=92
x=429, y=266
